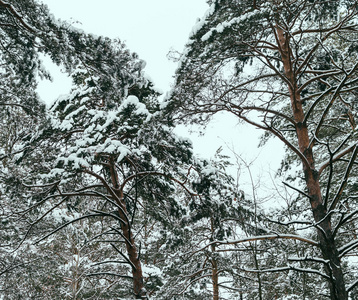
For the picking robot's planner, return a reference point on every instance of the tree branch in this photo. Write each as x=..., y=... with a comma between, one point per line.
x=13, y=11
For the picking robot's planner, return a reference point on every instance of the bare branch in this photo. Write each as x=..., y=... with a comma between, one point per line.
x=290, y=268
x=344, y=179
x=335, y=158
x=352, y=286
x=66, y=224
x=125, y=257
x=110, y=262
x=297, y=190
x=259, y=238
x=111, y=274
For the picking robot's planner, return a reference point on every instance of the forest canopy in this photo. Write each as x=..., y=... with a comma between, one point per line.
x=100, y=199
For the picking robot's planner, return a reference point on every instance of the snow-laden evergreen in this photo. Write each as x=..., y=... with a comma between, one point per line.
x=99, y=199
x=288, y=68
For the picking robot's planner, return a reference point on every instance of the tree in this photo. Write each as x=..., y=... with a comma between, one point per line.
x=104, y=144
x=91, y=163
x=288, y=68
x=194, y=265
x=21, y=114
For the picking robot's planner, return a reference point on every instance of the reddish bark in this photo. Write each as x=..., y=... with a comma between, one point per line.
x=324, y=230
x=138, y=283
x=132, y=252
x=215, y=279
x=214, y=268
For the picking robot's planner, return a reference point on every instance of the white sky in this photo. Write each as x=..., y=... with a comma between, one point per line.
x=148, y=27
x=152, y=29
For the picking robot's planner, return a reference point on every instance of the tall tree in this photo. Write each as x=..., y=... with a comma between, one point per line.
x=101, y=153
x=21, y=113
x=106, y=144
x=196, y=266
x=288, y=68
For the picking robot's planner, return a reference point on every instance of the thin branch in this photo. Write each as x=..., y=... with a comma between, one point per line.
x=352, y=286
x=111, y=274
x=125, y=257
x=335, y=158
x=274, y=132
x=122, y=235
x=191, y=282
x=108, y=214
x=348, y=247
x=13, y=11
x=109, y=262
x=66, y=224
x=259, y=238
x=297, y=190
x=8, y=269
x=290, y=268
x=344, y=180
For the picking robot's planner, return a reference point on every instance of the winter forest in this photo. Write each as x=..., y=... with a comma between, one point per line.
x=100, y=199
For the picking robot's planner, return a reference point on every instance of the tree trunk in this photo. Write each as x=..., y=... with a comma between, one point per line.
x=214, y=267
x=138, y=283
x=325, y=236
x=215, y=279
x=132, y=252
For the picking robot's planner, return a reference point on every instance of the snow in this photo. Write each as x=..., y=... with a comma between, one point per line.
x=200, y=22
x=131, y=100
x=226, y=24
x=210, y=170
x=19, y=14
x=56, y=171
x=140, y=107
x=78, y=162
x=111, y=116
x=60, y=215
x=179, y=138
x=347, y=247
x=341, y=153
x=76, y=112
x=85, y=141
x=154, y=87
x=150, y=270
x=66, y=125
x=124, y=151
x=96, y=115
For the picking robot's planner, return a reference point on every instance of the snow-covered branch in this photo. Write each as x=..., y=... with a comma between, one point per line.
x=259, y=238
x=289, y=268
x=17, y=16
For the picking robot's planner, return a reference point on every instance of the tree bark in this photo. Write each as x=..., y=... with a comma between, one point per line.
x=215, y=278
x=324, y=229
x=138, y=283
x=214, y=267
x=132, y=252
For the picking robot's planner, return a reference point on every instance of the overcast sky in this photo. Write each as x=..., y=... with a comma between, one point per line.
x=149, y=28
x=152, y=29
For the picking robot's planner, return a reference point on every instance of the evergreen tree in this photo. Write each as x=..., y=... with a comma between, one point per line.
x=84, y=170
x=288, y=68
x=105, y=141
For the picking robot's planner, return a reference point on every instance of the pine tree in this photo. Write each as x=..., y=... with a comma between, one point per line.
x=198, y=264
x=106, y=144
x=288, y=68
x=88, y=167
x=21, y=114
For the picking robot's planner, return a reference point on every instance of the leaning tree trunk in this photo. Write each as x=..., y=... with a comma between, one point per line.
x=325, y=235
x=132, y=252
x=138, y=283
